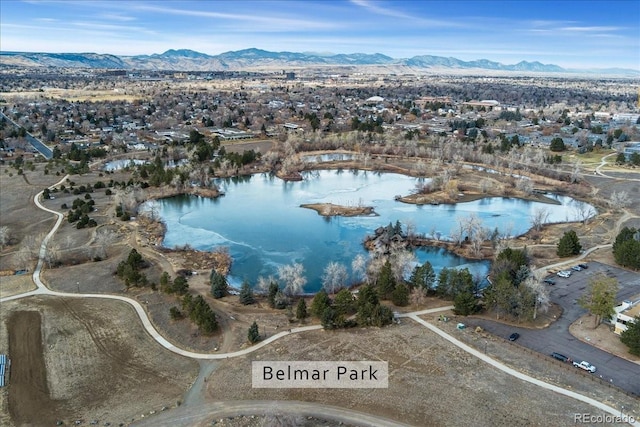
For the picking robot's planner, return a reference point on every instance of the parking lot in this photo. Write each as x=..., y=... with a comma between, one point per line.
x=571, y=288
x=556, y=338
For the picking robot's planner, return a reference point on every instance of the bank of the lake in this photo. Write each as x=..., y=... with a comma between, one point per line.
x=329, y=209
x=262, y=224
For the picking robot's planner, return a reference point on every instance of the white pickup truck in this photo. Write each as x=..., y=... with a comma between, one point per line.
x=585, y=365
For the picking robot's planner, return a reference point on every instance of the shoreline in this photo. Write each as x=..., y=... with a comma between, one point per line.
x=467, y=192
x=441, y=198
x=330, y=209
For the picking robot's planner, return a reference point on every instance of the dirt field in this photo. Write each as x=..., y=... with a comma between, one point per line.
x=100, y=363
x=431, y=381
x=28, y=372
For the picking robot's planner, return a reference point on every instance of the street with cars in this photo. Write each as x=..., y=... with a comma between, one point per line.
x=556, y=341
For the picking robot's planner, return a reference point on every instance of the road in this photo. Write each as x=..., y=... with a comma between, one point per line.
x=339, y=413
x=556, y=338
x=46, y=152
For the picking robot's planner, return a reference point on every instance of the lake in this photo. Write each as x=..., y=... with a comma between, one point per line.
x=261, y=222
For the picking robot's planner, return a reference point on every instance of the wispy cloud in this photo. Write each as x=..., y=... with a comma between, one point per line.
x=117, y=17
x=112, y=27
x=284, y=23
x=375, y=8
x=592, y=29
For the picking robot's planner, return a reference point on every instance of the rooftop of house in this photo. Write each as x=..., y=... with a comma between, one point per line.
x=629, y=308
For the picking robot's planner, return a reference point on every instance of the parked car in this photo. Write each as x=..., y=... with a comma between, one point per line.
x=583, y=266
x=549, y=282
x=560, y=357
x=564, y=273
x=514, y=336
x=585, y=365
x=576, y=268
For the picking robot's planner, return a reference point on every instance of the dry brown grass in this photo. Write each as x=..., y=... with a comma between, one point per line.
x=13, y=285
x=431, y=381
x=100, y=362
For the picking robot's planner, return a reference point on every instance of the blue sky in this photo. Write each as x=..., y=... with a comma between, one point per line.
x=582, y=34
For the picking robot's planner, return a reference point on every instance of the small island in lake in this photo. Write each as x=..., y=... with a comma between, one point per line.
x=329, y=209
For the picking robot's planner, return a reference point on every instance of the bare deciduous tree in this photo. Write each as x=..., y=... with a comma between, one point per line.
x=32, y=244
x=104, y=239
x=51, y=254
x=5, y=236
x=525, y=185
x=583, y=211
x=23, y=257
x=402, y=263
x=539, y=218
x=418, y=297
x=540, y=293
x=334, y=277
x=359, y=267
x=151, y=210
x=478, y=239
x=619, y=200
x=263, y=284
x=293, y=278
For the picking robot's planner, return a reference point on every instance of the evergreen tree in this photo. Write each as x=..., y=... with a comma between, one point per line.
x=400, y=295
x=344, y=303
x=328, y=319
x=569, y=244
x=129, y=270
x=631, y=337
x=301, y=310
x=135, y=259
x=320, y=302
x=280, y=300
x=626, y=248
x=254, y=333
x=465, y=303
x=200, y=313
x=557, y=144
x=370, y=311
x=386, y=281
x=442, y=289
x=219, y=285
x=246, y=294
x=273, y=291
x=382, y=316
x=208, y=324
x=180, y=285
x=423, y=277
x=175, y=313
x=164, y=282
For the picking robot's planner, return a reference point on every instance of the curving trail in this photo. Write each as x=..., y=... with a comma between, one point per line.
x=202, y=413
x=603, y=162
x=294, y=407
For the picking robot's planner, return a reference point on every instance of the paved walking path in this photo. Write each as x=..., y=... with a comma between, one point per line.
x=43, y=290
x=520, y=375
x=603, y=162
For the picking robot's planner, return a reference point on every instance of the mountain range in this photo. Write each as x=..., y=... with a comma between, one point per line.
x=189, y=60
